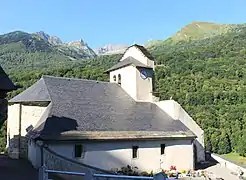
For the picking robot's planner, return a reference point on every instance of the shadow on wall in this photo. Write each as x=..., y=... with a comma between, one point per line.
x=198, y=152
x=54, y=126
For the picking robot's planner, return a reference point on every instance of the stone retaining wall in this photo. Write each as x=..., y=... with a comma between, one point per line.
x=54, y=161
x=228, y=164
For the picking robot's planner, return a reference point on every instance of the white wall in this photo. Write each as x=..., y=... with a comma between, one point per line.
x=128, y=79
x=139, y=89
x=144, y=86
x=108, y=155
x=175, y=110
x=137, y=54
x=30, y=115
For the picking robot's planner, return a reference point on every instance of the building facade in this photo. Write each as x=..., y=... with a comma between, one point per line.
x=106, y=124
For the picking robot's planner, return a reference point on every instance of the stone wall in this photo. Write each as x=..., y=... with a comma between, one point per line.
x=58, y=162
x=20, y=117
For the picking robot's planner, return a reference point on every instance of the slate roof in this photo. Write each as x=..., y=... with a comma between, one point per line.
x=88, y=109
x=126, y=62
x=5, y=83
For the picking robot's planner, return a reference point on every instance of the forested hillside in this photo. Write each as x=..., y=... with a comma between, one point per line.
x=206, y=75
x=24, y=51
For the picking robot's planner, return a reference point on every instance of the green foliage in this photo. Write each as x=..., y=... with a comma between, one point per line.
x=241, y=144
x=207, y=77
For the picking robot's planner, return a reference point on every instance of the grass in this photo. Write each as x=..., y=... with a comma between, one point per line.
x=236, y=158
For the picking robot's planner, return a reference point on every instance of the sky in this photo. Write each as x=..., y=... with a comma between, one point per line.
x=100, y=22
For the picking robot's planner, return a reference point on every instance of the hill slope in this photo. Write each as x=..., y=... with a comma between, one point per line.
x=21, y=50
x=205, y=74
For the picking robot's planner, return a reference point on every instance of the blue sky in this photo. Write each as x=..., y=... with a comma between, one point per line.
x=100, y=22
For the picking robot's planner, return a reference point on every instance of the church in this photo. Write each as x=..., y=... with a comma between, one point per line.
x=106, y=124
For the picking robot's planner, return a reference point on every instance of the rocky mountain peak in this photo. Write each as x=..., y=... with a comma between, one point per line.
x=79, y=43
x=54, y=40
x=111, y=49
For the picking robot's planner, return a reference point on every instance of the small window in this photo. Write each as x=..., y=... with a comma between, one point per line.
x=78, y=151
x=163, y=149
x=134, y=151
x=119, y=79
x=114, y=78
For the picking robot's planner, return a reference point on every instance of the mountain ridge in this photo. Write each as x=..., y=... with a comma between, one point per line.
x=197, y=30
x=206, y=74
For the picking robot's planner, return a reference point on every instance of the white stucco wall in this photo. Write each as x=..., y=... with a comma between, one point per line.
x=176, y=111
x=108, y=155
x=29, y=116
x=137, y=54
x=139, y=89
x=128, y=79
x=144, y=86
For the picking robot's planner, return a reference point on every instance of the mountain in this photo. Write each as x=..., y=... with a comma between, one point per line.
x=54, y=40
x=39, y=50
x=201, y=30
x=111, y=49
x=198, y=31
x=75, y=49
x=202, y=66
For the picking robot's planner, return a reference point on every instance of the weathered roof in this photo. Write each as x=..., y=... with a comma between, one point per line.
x=5, y=83
x=143, y=50
x=38, y=92
x=80, y=106
x=126, y=62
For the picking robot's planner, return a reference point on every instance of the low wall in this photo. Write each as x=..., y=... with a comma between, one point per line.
x=228, y=164
x=54, y=161
x=175, y=110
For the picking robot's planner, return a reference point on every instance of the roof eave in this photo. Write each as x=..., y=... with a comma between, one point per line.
x=43, y=101
x=110, y=70
x=78, y=136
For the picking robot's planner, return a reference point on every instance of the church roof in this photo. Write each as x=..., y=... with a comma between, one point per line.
x=5, y=83
x=126, y=62
x=88, y=109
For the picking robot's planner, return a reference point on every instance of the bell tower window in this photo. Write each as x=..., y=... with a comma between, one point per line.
x=119, y=79
x=114, y=78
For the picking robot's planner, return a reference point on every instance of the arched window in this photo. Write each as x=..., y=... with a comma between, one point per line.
x=114, y=78
x=119, y=79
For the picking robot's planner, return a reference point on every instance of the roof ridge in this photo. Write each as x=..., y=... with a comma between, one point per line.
x=76, y=79
x=46, y=87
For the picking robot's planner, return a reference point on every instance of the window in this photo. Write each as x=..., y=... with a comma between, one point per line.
x=114, y=77
x=134, y=151
x=78, y=151
x=119, y=79
x=163, y=149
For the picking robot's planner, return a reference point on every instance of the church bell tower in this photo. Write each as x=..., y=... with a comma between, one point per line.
x=135, y=73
